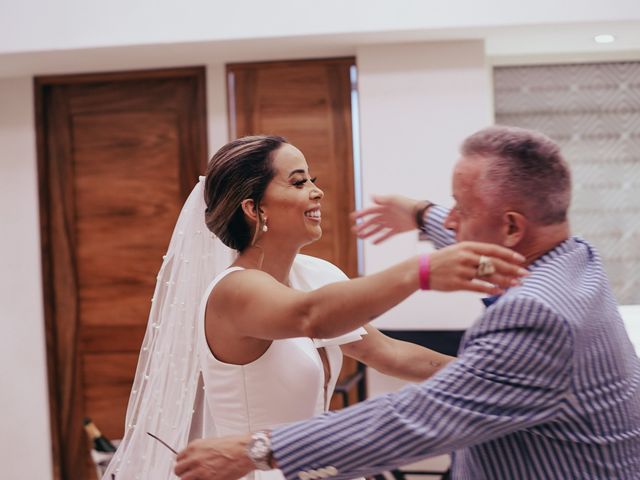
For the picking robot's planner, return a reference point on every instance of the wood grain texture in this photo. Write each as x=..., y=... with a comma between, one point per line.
x=127, y=190
x=309, y=103
x=117, y=155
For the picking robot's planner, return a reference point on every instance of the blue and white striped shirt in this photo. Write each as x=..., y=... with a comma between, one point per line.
x=546, y=386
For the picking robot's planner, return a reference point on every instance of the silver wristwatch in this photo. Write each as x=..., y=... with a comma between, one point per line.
x=259, y=450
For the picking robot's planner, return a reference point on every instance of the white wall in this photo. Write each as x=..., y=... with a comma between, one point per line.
x=38, y=25
x=417, y=102
x=24, y=410
x=631, y=317
x=216, y=108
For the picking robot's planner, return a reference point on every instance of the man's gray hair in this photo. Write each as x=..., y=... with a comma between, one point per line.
x=526, y=170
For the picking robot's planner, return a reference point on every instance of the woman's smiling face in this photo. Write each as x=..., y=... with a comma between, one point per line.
x=291, y=202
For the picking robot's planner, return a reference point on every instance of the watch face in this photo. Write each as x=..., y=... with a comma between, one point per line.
x=259, y=450
x=259, y=447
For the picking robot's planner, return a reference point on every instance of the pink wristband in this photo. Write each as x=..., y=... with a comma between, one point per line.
x=424, y=272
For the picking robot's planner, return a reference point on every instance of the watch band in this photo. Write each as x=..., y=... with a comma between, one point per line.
x=420, y=211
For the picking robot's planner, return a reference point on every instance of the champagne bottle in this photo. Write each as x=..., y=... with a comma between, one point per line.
x=100, y=442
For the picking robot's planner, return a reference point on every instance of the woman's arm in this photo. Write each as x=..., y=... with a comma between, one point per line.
x=387, y=355
x=258, y=306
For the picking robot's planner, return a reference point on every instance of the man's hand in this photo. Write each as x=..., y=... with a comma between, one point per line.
x=215, y=458
x=390, y=215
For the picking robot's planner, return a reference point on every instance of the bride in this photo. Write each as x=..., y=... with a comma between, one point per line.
x=259, y=344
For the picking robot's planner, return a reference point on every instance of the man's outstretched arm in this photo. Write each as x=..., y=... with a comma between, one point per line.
x=513, y=373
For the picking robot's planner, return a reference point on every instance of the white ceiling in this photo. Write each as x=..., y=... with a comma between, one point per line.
x=526, y=44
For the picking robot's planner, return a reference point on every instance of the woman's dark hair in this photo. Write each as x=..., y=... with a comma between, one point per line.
x=240, y=170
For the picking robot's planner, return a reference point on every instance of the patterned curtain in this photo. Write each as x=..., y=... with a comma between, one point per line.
x=593, y=112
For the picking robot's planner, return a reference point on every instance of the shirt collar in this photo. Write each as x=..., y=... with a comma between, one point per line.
x=560, y=249
x=488, y=301
x=563, y=247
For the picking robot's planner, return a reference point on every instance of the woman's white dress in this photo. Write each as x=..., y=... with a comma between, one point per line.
x=286, y=384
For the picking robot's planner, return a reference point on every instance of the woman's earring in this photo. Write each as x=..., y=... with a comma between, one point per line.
x=264, y=226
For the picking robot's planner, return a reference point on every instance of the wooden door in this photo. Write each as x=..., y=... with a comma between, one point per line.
x=118, y=154
x=309, y=103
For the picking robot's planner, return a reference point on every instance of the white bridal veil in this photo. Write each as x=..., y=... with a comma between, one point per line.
x=166, y=399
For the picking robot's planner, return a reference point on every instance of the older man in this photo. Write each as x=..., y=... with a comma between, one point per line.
x=546, y=384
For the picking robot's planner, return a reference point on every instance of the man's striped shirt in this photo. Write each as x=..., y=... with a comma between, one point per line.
x=546, y=386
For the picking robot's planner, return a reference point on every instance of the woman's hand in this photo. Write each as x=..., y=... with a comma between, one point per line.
x=456, y=268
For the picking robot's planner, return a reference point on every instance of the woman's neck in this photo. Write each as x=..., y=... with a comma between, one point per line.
x=274, y=260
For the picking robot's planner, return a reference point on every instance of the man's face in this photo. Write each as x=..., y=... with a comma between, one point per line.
x=472, y=218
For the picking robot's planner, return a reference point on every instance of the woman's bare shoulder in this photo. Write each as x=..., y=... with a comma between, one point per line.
x=239, y=285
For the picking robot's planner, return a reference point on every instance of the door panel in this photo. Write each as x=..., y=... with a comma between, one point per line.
x=118, y=154
x=309, y=103
x=126, y=180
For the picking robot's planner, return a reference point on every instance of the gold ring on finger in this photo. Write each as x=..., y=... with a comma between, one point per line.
x=485, y=267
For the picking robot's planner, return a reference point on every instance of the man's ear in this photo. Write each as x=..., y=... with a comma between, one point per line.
x=514, y=228
x=249, y=209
